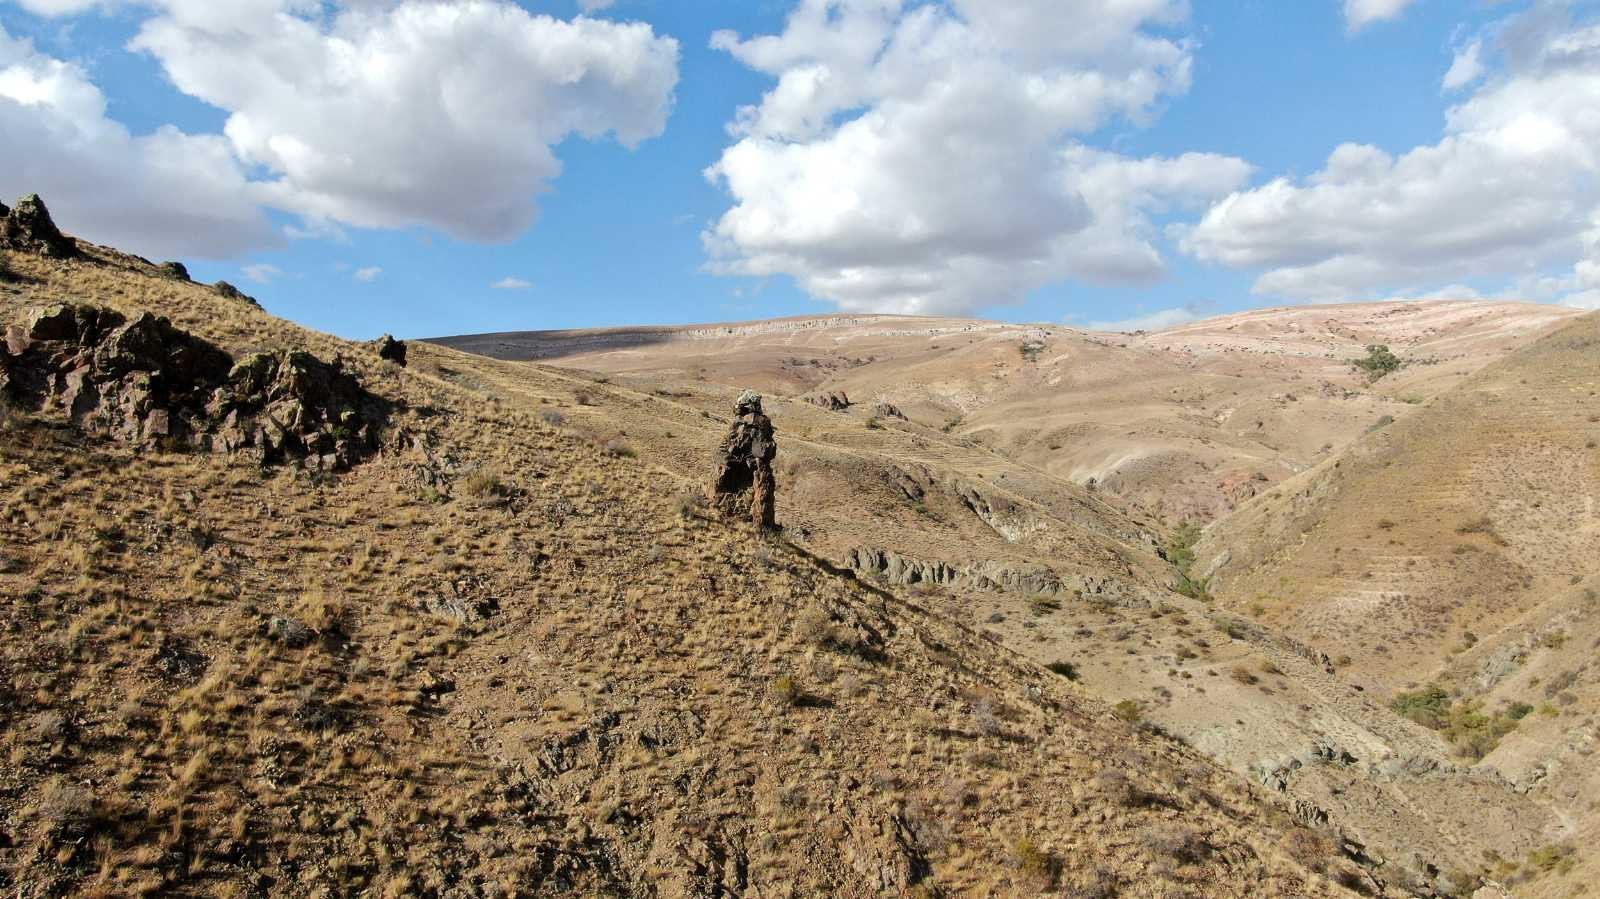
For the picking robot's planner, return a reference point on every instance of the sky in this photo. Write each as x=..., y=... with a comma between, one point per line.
x=435, y=167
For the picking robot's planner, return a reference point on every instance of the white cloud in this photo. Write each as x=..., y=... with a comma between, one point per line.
x=1358, y=14
x=359, y=113
x=389, y=115
x=512, y=284
x=1509, y=191
x=1154, y=321
x=589, y=6
x=262, y=273
x=1466, y=68
x=920, y=157
x=368, y=274
x=166, y=194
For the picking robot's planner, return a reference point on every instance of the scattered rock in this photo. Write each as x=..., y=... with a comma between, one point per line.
x=177, y=271
x=146, y=381
x=888, y=410
x=833, y=402
x=28, y=228
x=224, y=289
x=287, y=631
x=461, y=610
x=745, y=485
x=390, y=349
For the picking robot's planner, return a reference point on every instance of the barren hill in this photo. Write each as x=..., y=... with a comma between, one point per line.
x=1027, y=480
x=1456, y=549
x=504, y=654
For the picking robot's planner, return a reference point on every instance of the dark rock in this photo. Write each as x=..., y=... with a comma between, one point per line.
x=177, y=271
x=745, y=485
x=28, y=228
x=224, y=289
x=145, y=380
x=888, y=410
x=833, y=402
x=391, y=349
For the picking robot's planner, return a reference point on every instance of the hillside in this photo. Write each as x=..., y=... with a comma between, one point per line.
x=1456, y=549
x=1182, y=424
x=971, y=515
x=505, y=655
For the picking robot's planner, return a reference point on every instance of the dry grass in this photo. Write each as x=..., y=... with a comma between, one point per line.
x=226, y=681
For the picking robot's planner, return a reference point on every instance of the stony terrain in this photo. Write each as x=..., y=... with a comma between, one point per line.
x=1030, y=480
x=510, y=651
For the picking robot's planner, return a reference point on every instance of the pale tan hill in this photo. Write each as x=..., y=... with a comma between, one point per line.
x=1061, y=573
x=1458, y=547
x=1180, y=424
x=505, y=657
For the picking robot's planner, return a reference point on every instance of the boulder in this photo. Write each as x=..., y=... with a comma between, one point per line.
x=28, y=228
x=144, y=380
x=228, y=291
x=888, y=410
x=177, y=271
x=834, y=401
x=744, y=485
x=390, y=349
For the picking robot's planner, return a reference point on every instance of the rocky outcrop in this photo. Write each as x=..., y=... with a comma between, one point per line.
x=28, y=228
x=744, y=486
x=1021, y=578
x=390, y=349
x=145, y=381
x=835, y=401
x=888, y=410
x=176, y=271
x=228, y=291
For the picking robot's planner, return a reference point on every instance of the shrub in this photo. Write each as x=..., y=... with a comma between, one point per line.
x=1065, y=669
x=784, y=690
x=1243, y=675
x=1043, y=605
x=1553, y=857
x=618, y=448
x=688, y=503
x=1037, y=865
x=1130, y=710
x=552, y=418
x=482, y=483
x=1463, y=723
x=1379, y=361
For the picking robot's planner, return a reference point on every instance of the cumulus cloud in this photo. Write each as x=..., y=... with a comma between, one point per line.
x=1509, y=191
x=262, y=273
x=1154, y=321
x=1358, y=14
x=361, y=113
x=1466, y=68
x=164, y=194
x=390, y=115
x=926, y=157
x=512, y=284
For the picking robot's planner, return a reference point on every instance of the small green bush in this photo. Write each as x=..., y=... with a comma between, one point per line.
x=1378, y=362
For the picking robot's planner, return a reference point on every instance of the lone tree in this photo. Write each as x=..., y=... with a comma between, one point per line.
x=1379, y=361
x=745, y=485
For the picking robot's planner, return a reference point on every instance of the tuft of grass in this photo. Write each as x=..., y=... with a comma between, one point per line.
x=1129, y=710
x=1038, y=866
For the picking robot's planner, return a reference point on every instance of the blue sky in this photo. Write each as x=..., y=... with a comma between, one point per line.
x=1266, y=90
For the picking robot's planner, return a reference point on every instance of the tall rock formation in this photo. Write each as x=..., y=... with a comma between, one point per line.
x=745, y=485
